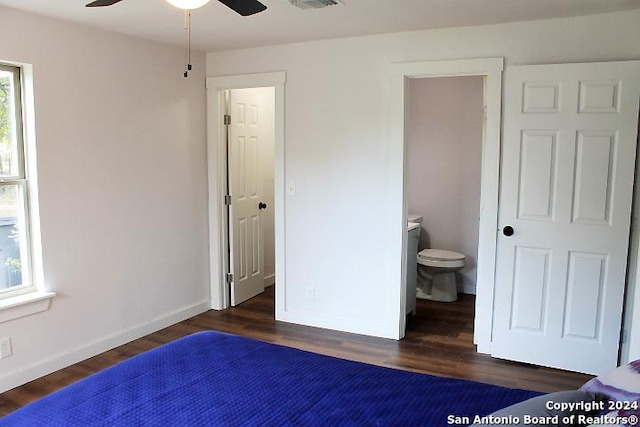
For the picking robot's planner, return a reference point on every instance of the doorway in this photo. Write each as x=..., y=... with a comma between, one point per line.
x=491, y=70
x=444, y=147
x=219, y=257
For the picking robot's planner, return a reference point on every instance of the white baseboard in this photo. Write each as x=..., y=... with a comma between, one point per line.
x=270, y=280
x=64, y=359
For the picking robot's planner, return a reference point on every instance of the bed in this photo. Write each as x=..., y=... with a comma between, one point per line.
x=216, y=379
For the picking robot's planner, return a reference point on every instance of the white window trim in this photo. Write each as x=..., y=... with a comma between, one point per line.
x=24, y=305
x=38, y=299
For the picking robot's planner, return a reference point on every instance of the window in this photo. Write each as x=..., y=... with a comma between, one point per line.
x=15, y=247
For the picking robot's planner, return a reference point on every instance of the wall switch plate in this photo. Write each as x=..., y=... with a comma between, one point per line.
x=5, y=348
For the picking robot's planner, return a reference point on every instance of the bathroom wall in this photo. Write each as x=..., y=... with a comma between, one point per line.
x=444, y=152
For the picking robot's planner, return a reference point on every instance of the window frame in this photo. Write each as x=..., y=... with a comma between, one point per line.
x=21, y=181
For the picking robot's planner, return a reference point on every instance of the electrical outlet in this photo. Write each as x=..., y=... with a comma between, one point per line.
x=5, y=348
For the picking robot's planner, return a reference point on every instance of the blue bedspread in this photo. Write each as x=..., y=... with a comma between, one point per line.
x=217, y=379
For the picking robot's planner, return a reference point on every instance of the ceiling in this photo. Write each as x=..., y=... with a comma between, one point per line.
x=216, y=28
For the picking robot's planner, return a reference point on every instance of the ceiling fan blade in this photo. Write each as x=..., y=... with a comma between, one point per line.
x=102, y=3
x=244, y=7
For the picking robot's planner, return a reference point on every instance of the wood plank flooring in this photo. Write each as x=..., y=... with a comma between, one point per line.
x=439, y=341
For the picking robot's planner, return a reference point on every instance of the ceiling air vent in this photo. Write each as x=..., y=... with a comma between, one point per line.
x=314, y=4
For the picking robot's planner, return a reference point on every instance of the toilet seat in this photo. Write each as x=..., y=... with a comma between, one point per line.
x=441, y=258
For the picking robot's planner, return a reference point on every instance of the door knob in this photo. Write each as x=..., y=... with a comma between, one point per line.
x=507, y=230
x=262, y=206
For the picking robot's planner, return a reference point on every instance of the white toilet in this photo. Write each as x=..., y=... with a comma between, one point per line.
x=437, y=268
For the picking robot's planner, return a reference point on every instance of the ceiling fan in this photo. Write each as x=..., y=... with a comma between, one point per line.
x=243, y=7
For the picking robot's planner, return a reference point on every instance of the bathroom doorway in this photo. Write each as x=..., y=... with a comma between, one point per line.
x=444, y=157
x=490, y=71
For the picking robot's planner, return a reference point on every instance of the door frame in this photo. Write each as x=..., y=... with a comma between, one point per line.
x=491, y=69
x=217, y=180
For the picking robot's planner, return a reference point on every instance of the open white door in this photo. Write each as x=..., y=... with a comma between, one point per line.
x=569, y=149
x=245, y=134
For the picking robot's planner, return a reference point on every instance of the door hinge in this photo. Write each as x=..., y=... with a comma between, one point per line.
x=227, y=119
x=229, y=278
x=227, y=199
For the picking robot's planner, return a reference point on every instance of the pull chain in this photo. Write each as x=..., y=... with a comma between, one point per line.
x=187, y=35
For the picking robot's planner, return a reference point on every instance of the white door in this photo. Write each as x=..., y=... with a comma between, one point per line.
x=568, y=157
x=245, y=134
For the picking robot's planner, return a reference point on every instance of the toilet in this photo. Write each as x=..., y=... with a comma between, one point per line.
x=436, y=269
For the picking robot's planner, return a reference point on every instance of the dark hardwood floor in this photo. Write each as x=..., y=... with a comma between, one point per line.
x=439, y=341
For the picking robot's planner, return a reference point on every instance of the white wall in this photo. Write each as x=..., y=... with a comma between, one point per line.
x=444, y=144
x=342, y=225
x=123, y=197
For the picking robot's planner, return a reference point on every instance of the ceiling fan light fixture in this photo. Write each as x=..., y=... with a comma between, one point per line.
x=187, y=4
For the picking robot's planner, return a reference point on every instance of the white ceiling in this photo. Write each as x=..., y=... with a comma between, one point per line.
x=215, y=27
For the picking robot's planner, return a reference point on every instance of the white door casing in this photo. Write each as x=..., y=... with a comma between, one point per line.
x=568, y=159
x=246, y=132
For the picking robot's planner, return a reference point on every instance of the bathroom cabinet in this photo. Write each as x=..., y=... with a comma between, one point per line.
x=412, y=267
